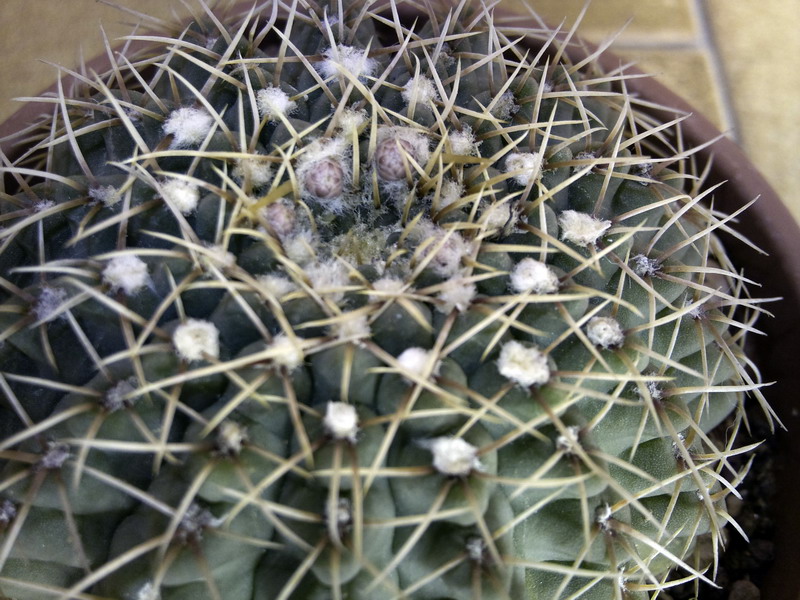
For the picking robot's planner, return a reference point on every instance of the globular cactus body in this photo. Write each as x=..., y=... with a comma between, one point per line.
x=325, y=304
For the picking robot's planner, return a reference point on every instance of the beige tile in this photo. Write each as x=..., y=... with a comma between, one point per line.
x=759, y=46
x=51, y=30
x=653, y=22
x=688, y=73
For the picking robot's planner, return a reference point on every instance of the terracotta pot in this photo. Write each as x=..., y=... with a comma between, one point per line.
x=770, y=226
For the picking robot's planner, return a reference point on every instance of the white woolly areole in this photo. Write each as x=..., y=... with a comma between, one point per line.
x=457, y=294
x=196, y=339
x=347, y=59
x=448, y=247
x=277, y=285
x=416, y=361
x=463, y=142
x=355, y=327
x=300, y=247
x=569, y=442
x=287, y=353
x=257, y=172
x=531, y=275
x=496, y=216
x=387, y=287
x=215, y=256
x=528, y=165
x=524, y=365
x=341, y=421
x=127, y=273
x=450, y=193
x=148, y=591
x=230, y=438
x=454, y=456
x=506, y=107
x=582, y=229
x=49, y=301
x=420, y=90
x=188, y=126
x=605, y=332
x=328, y=279
x=351, y=120
x=273, y=103
x=105, y=194
x=181, y=194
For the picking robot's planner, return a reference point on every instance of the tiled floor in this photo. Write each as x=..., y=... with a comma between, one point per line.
x=733, y=60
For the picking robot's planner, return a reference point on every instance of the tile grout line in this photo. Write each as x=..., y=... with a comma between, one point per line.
x=708, y=42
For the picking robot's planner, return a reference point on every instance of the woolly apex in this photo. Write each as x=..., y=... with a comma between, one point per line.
x=188, y=126
x=582, y=229
x=347, y=59
x=127, y=273
x=183, y=195
x=394, y=145
x=273, y=103
x=195, y=339
x=523, y=365
x=531, y=275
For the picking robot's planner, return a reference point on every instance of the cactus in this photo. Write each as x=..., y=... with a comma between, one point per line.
x=333, y=302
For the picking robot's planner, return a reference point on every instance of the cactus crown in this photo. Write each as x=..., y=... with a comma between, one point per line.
x=338, y=302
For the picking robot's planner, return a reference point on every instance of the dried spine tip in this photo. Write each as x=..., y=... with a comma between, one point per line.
x=605, y=332
x=454, y=456
x=582, y=229
x=527, y=166
x=183, y=195
x=273, y=103
x=286, y=352
x=325, y=180
x=341, y=421
x=188, y=126
x=127, y=273
x=457, y=294
x=531, y=275
x=524, y=365
x=196, y=339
